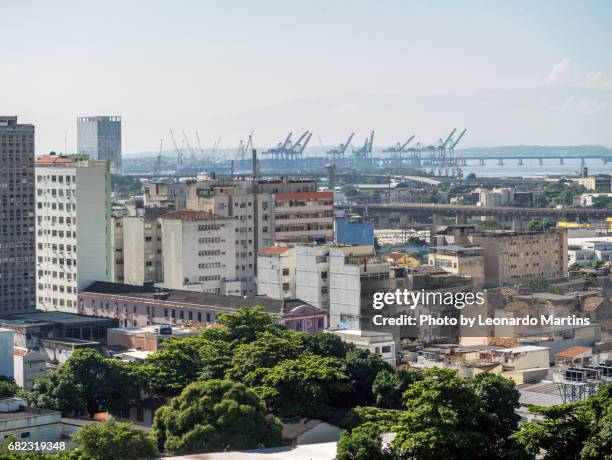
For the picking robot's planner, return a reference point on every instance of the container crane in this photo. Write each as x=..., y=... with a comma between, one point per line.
x=338, y=153
x=366, y=150
x=397, y=150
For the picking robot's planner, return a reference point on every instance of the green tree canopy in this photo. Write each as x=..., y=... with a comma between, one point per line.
x=308, y=386
x=215, y=415
x=8, y=387
x=497, y=418
x=115, y=441
x=362, y=443
x=362, y=367
x=88, y=382
x=389, y=386
x=264, y=352
x=182, y=361
x=440, y=420
x=581, y=430
x=246, y=324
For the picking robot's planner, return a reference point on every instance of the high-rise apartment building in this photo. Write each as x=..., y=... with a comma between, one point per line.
x=73, y=235
x=17, y=239
x=100, y=139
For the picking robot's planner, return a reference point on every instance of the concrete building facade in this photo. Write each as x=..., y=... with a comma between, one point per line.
x=100, y=138
x=17, y=237
x=202, y=252
x=73, y=235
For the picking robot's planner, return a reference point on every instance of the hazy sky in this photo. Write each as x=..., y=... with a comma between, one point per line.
x=200, y=65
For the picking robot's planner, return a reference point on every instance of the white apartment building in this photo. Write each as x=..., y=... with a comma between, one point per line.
x=72, y=228
x=202, y=252
x=276, y=272
x=585, y=251
x=339, y=279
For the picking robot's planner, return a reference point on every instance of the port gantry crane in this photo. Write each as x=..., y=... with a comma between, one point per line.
x=365, y=151
x=439, y=157
x=397, y=150
x=289, y=150
x=338, y=153
x=243, y=147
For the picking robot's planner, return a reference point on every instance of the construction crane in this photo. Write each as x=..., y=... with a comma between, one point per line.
x=192, y=158
x=200, y=149
x=158, y=160
x=179, y=154
x=216, y=147
x=397, y=150
x=366, y=150
x=338, y=153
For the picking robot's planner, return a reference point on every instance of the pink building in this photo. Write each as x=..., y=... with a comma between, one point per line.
x=137, y=306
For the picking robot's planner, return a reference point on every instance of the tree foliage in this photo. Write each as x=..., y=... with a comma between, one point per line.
x=362, y=443
x=362, y=367
x=309, y=386
x=182, y=361
x=215, y=415
x=389, y=386
x=581, y=430
x=87, y=383
x=115, y=441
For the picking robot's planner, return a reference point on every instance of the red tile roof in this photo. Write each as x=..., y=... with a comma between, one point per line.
x=304, y=196
x=187, y=214
x=572, y=352
x=274, y=250
x=53, y=159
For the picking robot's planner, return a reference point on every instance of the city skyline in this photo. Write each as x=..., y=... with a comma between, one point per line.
x=399, y=68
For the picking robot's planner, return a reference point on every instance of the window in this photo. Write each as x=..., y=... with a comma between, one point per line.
x=323, y=275
x=285, y=287
x=386, y=349
x=285, y=272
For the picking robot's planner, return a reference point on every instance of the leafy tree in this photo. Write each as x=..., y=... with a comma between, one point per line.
x=389, y=387
x=215, y=415
x=89, y=381
x=182, y=361
x=8, y=387
x=490, y=225
x=308, y=386
x=58, y=391
x=538, y=225
x=580, y=430
x=539, y=284
x=362, y=367
x=440, y=420
x=245, y=325
x=362, y=443
x=115, y=441
x=497, y=418
x=325, y=344
x=264, y=352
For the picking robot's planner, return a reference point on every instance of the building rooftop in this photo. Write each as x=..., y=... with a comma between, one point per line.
x=187, y=214
x=522, y=349
x=304, y=196
x=572, y=352
x=194, y=298
x=53, y=158
x=50, y=317
x=274, y=250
